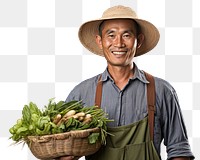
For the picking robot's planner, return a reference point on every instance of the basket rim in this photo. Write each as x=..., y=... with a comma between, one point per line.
x=73, y=133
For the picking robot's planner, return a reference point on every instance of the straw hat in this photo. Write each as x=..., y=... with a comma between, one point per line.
x=89, y=30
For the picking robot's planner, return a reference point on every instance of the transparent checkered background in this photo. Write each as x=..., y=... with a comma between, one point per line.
x=41, y=56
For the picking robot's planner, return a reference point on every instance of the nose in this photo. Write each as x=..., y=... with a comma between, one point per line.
x=119, y=42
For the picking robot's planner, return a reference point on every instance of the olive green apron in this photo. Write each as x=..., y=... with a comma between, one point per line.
x=133, y=141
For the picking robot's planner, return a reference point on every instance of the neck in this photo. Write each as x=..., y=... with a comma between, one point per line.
x=121, y=75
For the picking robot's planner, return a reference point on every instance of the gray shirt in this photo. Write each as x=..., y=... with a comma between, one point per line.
x=130, y=105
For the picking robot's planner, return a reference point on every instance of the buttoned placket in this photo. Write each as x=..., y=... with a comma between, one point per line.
x=120, y=111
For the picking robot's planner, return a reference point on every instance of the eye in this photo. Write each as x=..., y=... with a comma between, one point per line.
x=111, y=35
x=126, y=35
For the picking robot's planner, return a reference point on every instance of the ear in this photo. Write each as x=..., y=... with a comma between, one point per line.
x=99, y=41
x=140, y=40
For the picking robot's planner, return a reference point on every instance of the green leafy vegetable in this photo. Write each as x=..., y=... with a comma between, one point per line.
x=93, y=138
x=58, y=118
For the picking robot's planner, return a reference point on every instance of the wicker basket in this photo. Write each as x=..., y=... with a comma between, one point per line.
x=69, y=143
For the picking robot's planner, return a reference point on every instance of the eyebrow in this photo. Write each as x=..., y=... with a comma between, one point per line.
x=126, y=31
x=101, y=26
x=109, y=31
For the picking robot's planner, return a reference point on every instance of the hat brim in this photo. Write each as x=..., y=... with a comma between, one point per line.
x=88, y=31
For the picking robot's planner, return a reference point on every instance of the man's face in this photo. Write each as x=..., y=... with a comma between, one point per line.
x=118, y=41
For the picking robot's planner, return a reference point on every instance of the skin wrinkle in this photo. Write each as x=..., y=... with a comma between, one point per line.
x=101, y=26
x=117, y=36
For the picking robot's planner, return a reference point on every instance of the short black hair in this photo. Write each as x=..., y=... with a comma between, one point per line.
x=101, y=28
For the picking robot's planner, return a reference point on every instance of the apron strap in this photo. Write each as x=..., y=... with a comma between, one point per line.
x=151, y=102
x=99, y=92
x=150, y=99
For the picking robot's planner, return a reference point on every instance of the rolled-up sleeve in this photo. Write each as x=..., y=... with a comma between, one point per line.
x=174, y=129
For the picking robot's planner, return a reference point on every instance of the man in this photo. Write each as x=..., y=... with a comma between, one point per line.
x=120, y=36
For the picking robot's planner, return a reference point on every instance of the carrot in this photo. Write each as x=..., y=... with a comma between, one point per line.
x=67, y=116
x=80, y=114
x=87, y=120
x=88, y=116
x=77, y=115
x=81, y=118
x=69, y=113
x=57, y=118
x=61, y=121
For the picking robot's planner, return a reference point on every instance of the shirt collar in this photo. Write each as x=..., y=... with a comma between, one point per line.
x=138, y=74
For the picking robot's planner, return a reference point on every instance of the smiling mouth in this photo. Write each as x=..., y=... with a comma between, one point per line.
x=119, y=53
